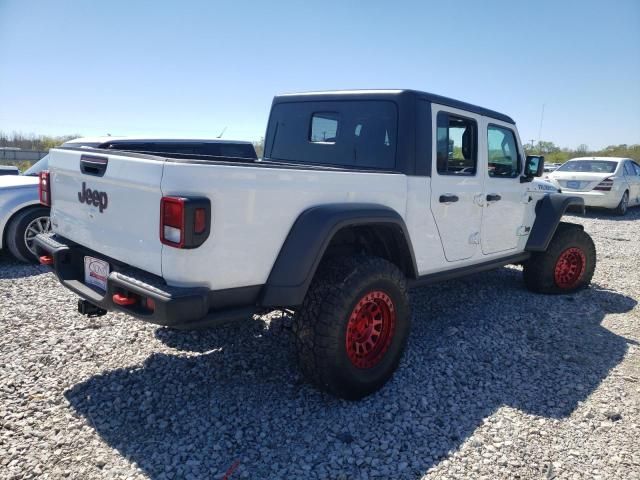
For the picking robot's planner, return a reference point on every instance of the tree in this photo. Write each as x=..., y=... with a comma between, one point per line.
x=33, y=142
x=582, y=148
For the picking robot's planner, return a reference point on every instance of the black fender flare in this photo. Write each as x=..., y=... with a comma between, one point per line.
x=549, y=211
x=308, y=240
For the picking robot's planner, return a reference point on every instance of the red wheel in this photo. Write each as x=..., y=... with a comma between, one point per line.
x=353, y=326
x=370, y=330
x=566, y=266
x=570, y=268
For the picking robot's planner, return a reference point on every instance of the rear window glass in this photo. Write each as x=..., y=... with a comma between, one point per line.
x=589, y=166
x=324, y=127
x=457, y=145
x=359, y=134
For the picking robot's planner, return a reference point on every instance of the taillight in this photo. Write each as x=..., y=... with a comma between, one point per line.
x=200, y=220
x=605, y=185
x=184, y=221
x=44, y=189
x=172, y=221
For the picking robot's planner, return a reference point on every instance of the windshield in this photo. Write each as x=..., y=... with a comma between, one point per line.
x=590, y=166
x=37, y=167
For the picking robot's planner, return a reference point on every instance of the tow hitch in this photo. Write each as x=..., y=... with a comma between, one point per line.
x=87, y=308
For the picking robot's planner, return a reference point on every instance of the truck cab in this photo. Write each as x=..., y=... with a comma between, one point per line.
x=465, y=162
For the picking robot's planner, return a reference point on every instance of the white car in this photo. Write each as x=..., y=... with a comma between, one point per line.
x=22, y=216
x=9, y=170
x=606, y=182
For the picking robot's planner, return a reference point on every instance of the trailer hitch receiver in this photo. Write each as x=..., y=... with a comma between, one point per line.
x=87, y=308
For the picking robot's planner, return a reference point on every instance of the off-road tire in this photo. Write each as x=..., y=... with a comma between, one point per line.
x=566, y=266
x=623, y=206
x=15, y=232
x=321, y=331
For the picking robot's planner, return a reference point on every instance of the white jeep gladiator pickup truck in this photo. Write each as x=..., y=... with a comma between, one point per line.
x=360, y=195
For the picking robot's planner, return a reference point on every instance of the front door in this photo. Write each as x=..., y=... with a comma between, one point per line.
x=456, y=181
x=505, y=202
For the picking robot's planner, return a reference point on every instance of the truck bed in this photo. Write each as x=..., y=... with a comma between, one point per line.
x=253, y=207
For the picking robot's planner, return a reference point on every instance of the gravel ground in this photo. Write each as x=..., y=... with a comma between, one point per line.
x=497, y=382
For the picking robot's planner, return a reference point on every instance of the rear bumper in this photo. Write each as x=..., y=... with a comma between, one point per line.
x=171, y=306
x=598, y=198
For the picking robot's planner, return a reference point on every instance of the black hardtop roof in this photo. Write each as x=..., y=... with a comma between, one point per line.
x=389, y=94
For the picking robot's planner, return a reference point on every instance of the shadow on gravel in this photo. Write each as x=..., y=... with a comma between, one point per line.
x=10, y=268
x=633, y=213
x=237, y=394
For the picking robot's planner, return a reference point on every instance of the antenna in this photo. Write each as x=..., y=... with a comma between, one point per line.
x=222, y=132
x=541, y=119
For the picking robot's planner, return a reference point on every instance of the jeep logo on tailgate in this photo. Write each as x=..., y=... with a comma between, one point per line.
x=93, y=197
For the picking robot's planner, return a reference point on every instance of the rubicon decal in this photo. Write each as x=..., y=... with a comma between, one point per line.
x=93, y=197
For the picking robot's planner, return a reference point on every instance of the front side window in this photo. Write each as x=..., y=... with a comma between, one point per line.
x=636, y=167
x=503, y=157
x=456, y=145
x=324, y=127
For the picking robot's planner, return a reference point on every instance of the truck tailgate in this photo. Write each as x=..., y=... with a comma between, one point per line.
x=113, y=209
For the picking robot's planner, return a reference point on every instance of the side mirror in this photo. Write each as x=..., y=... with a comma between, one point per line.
x=533, y=167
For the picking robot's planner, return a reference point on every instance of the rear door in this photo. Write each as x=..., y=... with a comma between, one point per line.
x=108, y=203
x=632, y=175
x=505, y=202
x=456, y=181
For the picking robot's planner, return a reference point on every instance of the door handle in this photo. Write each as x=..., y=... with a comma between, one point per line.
x=493, y=197
x=448, y=198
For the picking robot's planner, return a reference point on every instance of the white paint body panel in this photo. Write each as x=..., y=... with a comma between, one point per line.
x=253, y=209
x=128, y=229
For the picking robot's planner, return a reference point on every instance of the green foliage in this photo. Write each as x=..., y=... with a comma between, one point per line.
x=32, y=141
x=22, y=165
x=555, y=154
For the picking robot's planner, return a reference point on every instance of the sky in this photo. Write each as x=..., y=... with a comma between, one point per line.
x=193, y=68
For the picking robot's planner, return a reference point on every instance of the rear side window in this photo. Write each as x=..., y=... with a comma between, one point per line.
x=358, y=134
x=504, y=160
x=628, y=169
x=457, y=147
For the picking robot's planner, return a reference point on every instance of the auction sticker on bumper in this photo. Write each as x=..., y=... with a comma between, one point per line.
x=96, y=272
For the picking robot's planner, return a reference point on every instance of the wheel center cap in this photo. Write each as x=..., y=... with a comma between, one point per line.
x=370, y=329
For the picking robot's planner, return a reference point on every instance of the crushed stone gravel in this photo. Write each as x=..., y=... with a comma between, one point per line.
x=497, y=382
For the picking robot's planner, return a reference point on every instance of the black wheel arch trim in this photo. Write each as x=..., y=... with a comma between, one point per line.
x=549, y=211
x=308, y=240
